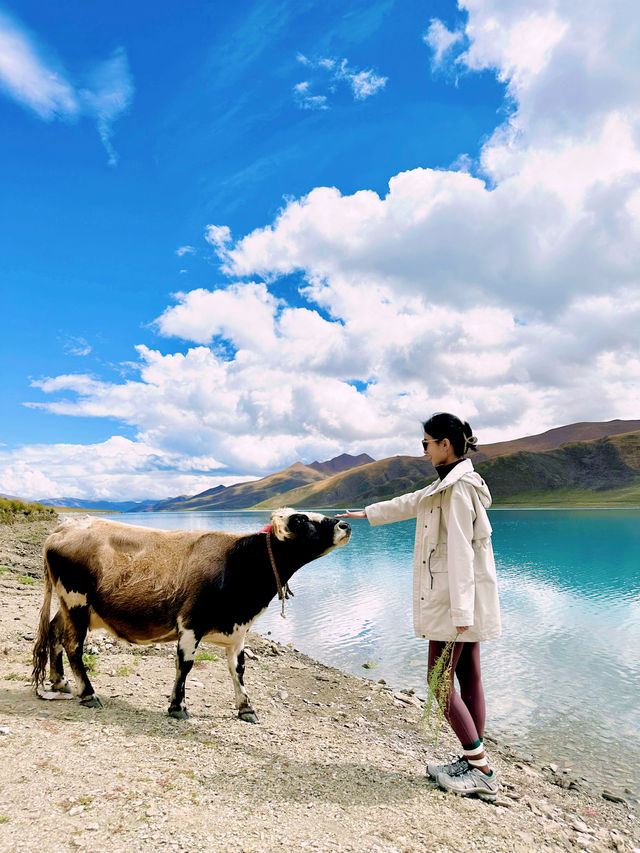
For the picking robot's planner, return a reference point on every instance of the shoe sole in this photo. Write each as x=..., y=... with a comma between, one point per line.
x=488, y=796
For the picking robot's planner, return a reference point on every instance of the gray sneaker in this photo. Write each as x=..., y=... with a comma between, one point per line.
x=470, y=783
x=460, y=765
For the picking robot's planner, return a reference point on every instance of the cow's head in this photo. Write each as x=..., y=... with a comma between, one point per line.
x=311, y=530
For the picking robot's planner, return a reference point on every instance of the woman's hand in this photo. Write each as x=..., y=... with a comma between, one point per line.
x=462, y=628
x=352, y=513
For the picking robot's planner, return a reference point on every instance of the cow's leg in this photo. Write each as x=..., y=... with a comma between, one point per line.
x=75, y=631
x=235, y=660
x=56, y=667
x=186, y=652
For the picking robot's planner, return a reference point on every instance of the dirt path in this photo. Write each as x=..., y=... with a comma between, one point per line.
x=336, y=763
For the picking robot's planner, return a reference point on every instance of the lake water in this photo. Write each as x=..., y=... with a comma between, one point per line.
x=563, y=681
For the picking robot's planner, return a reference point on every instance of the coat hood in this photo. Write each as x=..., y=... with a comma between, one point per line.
x=464, y=471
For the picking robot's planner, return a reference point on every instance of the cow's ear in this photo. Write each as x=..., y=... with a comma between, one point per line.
x=280, y=521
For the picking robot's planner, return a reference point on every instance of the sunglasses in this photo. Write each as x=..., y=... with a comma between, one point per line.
x=427, y=441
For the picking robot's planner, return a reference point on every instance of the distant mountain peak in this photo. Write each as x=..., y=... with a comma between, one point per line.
x=341, y=463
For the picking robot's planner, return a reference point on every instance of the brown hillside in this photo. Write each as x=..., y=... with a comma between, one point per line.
x=553, y=439
x=367, y=483
x=245, y=495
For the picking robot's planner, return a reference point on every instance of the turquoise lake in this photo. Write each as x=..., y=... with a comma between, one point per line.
x=563, y=681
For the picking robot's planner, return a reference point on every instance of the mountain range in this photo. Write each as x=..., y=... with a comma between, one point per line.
x=590, y=463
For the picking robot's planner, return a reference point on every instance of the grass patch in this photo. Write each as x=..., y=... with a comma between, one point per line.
x=4, y=818
x=125, y=671
x=4, y=570
x=204, y=655
x=26, y=579
x=13, y=676
x=12, y=510
x=90, y=662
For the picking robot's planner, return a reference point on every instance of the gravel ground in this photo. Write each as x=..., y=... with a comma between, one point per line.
x=335, y=764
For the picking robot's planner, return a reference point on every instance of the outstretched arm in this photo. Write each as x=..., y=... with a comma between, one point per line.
x=352, y=513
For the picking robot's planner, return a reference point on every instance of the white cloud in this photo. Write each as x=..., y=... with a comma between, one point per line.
x=31, y=80
x=185, y=250
x=242, y=313
x=35, y=79
x=510, y=296
x=306, y=100
x=76, y=346
x=441, y=40
x=109, y=95
x=363, y=83
x=107, y=471
x=218, y=235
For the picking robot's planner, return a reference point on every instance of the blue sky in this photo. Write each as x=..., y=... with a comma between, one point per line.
x=311, y=321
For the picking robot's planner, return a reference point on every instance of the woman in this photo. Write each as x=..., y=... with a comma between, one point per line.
x=455, y=590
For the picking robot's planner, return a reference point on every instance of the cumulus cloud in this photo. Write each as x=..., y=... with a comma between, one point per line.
x=363, y=83
x=218, y=236
x=185, y=250
x=508, y=293
x=110, y=470
x=32, y=76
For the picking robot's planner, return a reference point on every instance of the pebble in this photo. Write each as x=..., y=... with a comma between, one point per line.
x=281, y=694
x=76, y=810
x=613, y=798
x=5, y=730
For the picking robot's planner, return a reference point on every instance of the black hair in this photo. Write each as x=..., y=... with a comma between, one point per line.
x=444, y=425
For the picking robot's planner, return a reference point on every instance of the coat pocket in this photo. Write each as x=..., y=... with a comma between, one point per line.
x=438, y=566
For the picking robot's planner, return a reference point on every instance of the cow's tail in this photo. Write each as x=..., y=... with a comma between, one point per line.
x=41, y=647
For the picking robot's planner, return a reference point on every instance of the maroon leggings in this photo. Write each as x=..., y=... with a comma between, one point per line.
x=465, y=711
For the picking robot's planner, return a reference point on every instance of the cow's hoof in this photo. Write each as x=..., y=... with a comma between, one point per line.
x=63, y=687
x=248, y=715
x=178, y=713
x=91, y=702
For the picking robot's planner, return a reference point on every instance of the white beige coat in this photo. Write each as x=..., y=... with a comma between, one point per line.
x=454, y=580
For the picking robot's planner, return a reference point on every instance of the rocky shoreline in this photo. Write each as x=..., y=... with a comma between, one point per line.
x=336, y=763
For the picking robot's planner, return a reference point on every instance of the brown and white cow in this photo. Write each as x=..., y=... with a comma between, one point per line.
x=150, y=586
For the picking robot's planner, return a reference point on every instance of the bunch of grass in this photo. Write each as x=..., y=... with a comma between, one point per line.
x=11, y=510
x=439, y=686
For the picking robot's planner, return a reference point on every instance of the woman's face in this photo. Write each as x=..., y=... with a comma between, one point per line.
x=437, y=451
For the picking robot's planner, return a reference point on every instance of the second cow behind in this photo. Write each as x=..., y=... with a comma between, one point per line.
x=150, y=586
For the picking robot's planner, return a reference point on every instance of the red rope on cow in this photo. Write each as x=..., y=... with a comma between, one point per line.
x=282, y=592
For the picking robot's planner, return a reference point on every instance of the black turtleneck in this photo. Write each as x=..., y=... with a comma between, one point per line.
x=443, y=470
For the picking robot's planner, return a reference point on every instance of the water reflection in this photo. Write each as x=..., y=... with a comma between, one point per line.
x=567, y=662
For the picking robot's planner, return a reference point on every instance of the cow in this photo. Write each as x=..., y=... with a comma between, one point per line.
x=152, y=586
